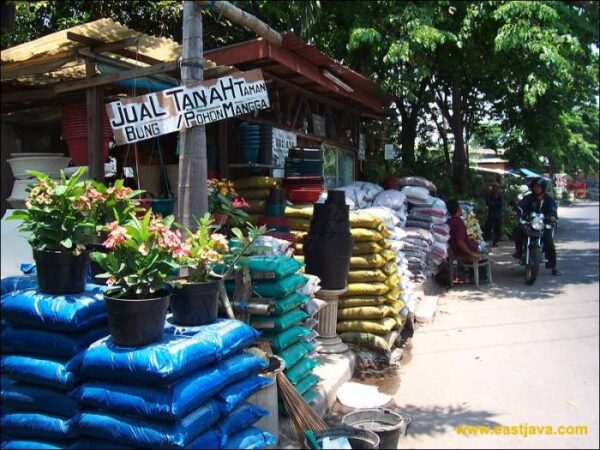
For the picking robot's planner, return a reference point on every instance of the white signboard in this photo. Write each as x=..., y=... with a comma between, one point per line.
x=281, y=143
x=147, y=116
x=362, y=147
x=390, y=152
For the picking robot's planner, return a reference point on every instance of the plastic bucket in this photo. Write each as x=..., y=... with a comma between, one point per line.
x=61, y=272
x=387, y=424
x=359, y=439
x=195, y=303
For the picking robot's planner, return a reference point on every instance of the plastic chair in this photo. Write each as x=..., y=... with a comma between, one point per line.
x=468, y=264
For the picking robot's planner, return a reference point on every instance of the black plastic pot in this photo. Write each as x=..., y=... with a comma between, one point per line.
x=336, y=197
x=95, y=268
x=61, y=273
x=195, y=303
x=137, y=322
x=329, y=258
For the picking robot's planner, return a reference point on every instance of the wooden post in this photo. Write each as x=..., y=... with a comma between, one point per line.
x=192, y=189
x=95, y=125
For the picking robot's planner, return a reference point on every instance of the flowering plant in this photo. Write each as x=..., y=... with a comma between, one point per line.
x=223, y=199
x=60, y=214
x=205, y=249
x=143, y=257
x=119, y=202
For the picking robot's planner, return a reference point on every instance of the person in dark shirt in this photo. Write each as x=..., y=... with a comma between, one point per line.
x=493, y=226
x=539, y=201
x=459, y=242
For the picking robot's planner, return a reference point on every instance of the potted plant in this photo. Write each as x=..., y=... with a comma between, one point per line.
x=195, y=299
x=60, y=220
x=119, y=202
x=224, y=202
x=139, y=269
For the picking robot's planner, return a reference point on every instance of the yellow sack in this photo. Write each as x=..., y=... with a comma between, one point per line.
x=384, y=343
x=366, y=262
x=367, y=326
x=355, y=289
x=366, y=247
x=254, y=194
x=298, y=234
x=299, y=258
x=362, y=219
x=366, y=312
x=390, y=268
x=256, y=206
x=301, y=211
x=393, y=280
x=362, y=276
x=364, y=234
x=400, y=321
x=385, y=243
x=299, y=224
x=393, y=294
x=363, y=300
x=396, y=307
x=385, y=232
x=389, y=255
x=255, y=183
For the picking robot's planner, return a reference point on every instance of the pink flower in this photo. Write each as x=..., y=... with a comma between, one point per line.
x=117, y=235
x=120, y=193
x=182, y=250
x=240, y=203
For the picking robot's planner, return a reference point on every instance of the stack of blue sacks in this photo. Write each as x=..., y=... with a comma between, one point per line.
x=186, y=391
x=43, y=338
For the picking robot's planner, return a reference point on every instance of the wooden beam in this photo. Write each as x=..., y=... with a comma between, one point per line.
x=117, y=45
x=246, y=20
x=109, y=78
x=35, y=66
x=95, y=125
x=90, y=42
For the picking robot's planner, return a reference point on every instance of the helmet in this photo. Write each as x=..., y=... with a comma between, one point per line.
x=539, y=180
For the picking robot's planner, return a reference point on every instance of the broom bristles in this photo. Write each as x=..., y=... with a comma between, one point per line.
x=302, y=416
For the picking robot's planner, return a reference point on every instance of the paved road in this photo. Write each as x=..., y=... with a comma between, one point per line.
x=512, y=354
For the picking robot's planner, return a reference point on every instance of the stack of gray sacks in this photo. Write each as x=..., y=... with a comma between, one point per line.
x=43, y=337
x=186, y=391
x=287, y=327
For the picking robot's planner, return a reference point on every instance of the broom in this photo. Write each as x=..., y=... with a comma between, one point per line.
x=302, y=416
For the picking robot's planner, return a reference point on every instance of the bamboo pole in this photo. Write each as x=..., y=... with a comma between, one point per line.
x=192, y=189
x=247, y=20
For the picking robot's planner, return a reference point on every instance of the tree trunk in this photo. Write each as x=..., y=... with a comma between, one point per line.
x=459, y=159
x=407, y=140
x=444, y=135
x=192, y=189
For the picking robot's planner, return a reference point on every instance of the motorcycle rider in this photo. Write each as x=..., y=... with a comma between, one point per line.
x=538, y=201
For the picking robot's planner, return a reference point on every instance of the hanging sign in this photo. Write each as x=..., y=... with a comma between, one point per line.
x=390, y=153
x=147, y=116
x=281, y=142
x=362, y=147
x=319, y=125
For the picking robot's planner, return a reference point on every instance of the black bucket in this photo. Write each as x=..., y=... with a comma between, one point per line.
x=329, y=259
x=336, y=197
x=387, y=424
x=359, y=439
x=195, y=303
x=137, y=322
x=61, y=272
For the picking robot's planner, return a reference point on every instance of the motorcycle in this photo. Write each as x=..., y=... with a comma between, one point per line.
x=533, y=242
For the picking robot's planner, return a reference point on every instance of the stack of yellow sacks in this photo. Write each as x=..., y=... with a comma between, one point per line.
x=299, y=217
x=369, y=311
x=256, y=191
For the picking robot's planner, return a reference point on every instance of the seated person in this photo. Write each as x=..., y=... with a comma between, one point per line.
x=461, y=245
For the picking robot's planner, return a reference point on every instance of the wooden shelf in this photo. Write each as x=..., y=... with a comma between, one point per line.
x=253, y=166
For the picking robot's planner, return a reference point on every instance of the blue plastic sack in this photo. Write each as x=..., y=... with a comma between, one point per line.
x=230, y=397
x=48, y=343
x=167, y=402
x=251, y=438
x=175, y=356
x=240, y=366
x=18, y=283
x=230, y=335
x=36, y=398
x=54, y=373
x=29, y=444
x=243, y=417
x=150, y=433
x=98, y=444
x=69, y=313
x=210, y=439
x=35, y=425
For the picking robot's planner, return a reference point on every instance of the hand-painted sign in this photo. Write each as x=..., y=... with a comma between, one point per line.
x=147, y=116
x=281, y=143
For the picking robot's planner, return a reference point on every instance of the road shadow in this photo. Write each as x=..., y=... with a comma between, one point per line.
x=434, y=420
